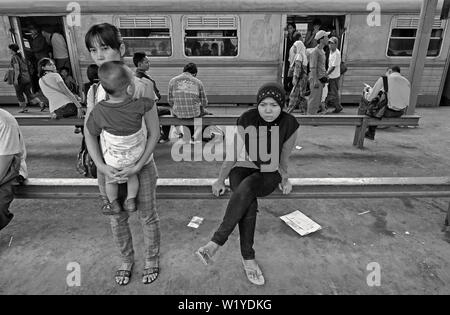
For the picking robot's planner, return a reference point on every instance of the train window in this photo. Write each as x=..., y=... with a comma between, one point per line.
x=151, y=35
x=211, y=36
x=403, y=37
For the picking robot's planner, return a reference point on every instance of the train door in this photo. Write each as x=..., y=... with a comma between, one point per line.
x=48, y=26
x=304, y=25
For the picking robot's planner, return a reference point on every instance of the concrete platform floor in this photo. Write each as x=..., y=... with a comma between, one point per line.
x=404, y=236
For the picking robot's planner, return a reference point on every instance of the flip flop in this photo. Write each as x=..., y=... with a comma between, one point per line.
x=204, y=256
x=259, y=276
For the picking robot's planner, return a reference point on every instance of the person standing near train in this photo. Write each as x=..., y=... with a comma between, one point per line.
x=105, y=43
x=299, y=65
x=60, y=53
x=142, y=64
x=289, y=34
x=318, y=73
x=310, y=40
x=334, y=73
x=39, y=45
x=22, y=80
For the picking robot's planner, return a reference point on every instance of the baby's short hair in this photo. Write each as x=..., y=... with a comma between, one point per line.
x=114, y=77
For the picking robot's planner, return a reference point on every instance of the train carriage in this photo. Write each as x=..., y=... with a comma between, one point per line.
x=238, y=45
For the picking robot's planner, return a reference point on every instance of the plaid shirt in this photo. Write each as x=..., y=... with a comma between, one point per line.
x=186, y=96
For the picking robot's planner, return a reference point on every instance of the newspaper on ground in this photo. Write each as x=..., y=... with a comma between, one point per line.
x=195, y=222
x=300, y=223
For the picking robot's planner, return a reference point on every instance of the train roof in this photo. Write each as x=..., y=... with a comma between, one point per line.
x=27, y=7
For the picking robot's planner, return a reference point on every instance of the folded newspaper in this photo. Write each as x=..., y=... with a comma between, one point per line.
x=300, y=223
x=195, y=222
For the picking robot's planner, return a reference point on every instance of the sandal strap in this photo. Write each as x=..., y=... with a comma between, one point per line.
x=150, y=271
x=123, y=273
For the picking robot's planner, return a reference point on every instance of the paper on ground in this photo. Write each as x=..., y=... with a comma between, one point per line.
x=195, y=222
x=300, y=223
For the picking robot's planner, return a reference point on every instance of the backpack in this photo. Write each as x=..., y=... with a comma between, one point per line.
x=378, y=105
x=85, y=164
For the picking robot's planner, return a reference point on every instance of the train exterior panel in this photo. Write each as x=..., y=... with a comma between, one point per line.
x=257, y=31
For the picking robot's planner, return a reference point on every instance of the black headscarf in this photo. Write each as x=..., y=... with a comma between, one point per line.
x=286, y=123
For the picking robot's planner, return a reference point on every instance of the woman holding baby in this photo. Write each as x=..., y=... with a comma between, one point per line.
x=127, y=182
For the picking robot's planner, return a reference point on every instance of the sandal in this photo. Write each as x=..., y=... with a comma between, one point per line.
x=250, y=272
x=204, y=256
x=150, y=271
x=124, y=274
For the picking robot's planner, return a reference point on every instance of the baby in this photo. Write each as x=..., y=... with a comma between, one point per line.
x=118, y=121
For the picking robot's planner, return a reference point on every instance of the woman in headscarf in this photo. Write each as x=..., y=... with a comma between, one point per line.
x=253, y=174
x=299, y=63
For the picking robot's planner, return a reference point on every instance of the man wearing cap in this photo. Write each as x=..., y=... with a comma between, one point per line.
x=334, y=73
x=318, y=74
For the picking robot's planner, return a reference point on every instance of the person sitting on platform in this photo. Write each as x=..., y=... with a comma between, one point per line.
x=398, y=94
x=13, y=168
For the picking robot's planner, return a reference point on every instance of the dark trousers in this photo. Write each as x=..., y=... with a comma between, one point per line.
x=247, y=184
x=165, y=130
x=333, y=99
x=23, y=90
x=192, y=128
x=389, y=113
x=6, y=191
x=60, y=63
x=67, y=110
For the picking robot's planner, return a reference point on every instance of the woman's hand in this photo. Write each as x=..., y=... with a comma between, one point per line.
x=127, y=172
x=218, y=188
x=108, y=171
x=286, y=187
